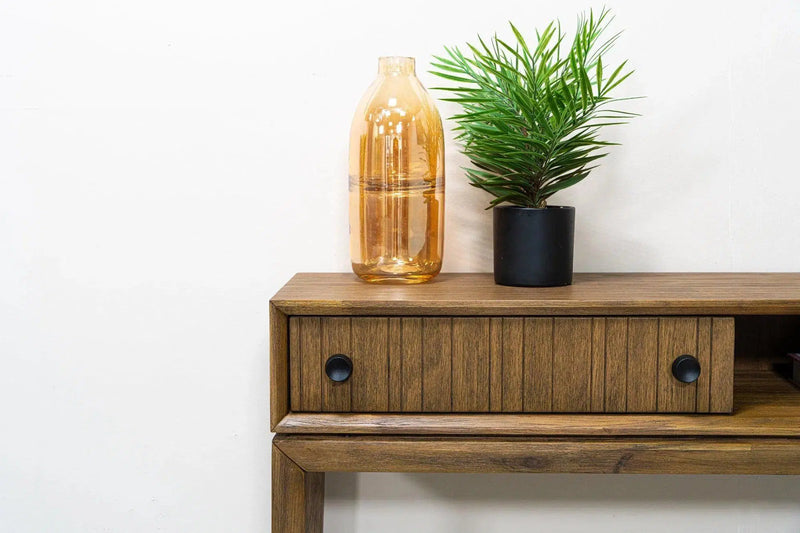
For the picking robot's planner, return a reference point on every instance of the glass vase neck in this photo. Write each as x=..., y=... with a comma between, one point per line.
x=394, y=65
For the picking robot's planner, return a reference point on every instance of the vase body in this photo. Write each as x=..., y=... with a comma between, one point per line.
x=396, y=179
x=533, y=247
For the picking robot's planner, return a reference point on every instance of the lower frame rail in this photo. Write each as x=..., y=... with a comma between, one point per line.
x=342, y=453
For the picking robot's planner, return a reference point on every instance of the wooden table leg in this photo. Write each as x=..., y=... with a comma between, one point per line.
x=297, y=496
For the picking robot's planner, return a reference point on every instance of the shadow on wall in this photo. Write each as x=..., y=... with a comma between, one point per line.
x=568, y=502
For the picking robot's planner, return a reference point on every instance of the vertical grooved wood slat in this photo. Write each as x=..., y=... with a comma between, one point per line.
x=677, y=336
x=470, y=365
x=412, y=364
x=311, y=364
x=538, y=365
x=513, y=338
x=370, y=379
x=335, y=340
x=437, y=365
x=497, y=348
x=572, y=364
x=616, y=364
x=722, y=335
x=704, y=357
x=642, y=386
x=510, y=364
x=395, y=364
x=295, y=358
x=598, y=399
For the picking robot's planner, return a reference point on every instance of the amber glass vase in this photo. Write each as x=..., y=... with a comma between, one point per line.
x=396, y=179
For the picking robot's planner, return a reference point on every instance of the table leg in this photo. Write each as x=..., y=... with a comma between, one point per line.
x=297, y=496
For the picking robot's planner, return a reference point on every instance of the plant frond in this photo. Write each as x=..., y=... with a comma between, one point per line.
x=532, y=108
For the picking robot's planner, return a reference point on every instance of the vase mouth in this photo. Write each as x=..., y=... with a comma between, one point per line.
x=392, y=65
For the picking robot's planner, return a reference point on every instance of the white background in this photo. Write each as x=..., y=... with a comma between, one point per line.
x=166, y=165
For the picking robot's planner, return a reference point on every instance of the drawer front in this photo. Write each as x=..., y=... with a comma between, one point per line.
x=511, y=364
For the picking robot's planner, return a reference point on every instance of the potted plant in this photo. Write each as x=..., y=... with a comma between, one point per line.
x=529, y=124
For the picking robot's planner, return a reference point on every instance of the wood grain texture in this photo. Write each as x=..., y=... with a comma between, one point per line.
x=616, y=365
x=470, y=360
x=295, y=363
x=412, y=364
x=311, y=362
x=444, y=372
x=642, y=387
x=766, y=404
x=676, y=336
x=280, y=374
x=370, y=355
x=512, y=347
x=703, y=355
x=496, y=364
x=297, y=496
x=590, y=294
x=437, y=374
x=722, y=345
x=598, y=400
x=538, y=365
x=335, y=340
x=572, y=365
x=600, y=456
x=395, y=364
x=508, y=364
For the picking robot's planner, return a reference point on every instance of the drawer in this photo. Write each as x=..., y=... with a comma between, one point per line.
x=511, y=364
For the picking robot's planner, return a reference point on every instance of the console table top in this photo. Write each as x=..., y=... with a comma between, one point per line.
x=590, y=294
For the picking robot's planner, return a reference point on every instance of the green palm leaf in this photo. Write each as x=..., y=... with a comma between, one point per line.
x=532, y=110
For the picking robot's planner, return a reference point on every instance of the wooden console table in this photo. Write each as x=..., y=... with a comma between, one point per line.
x=618, y=373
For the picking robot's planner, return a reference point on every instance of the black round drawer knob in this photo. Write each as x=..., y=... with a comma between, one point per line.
x=339, y=367
x=686, y=368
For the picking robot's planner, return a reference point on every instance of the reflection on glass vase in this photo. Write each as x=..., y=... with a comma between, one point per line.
x=396, y=179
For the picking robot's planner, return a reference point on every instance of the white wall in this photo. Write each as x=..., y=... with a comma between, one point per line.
x=166, y=165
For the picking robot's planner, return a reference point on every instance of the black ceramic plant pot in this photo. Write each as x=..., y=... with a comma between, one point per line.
x=533, y=247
